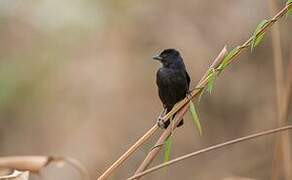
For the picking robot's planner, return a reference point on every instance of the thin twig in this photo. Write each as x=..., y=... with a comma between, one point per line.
x=202, y=84
x=150, y=132
x=185, y=101
x=130, y=151
x=216, y=62
x=154, y=151
x=244, y=46
x=211, y=148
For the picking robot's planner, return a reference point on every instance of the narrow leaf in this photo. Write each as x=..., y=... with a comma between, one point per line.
x=289, y=12
x=211, y=81
x=201, y=94
x=257, y=38
x=227, y=58
x=168, y=143
x=195, y=117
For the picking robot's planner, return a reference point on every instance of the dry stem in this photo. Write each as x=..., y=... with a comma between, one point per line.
x=245, y=45
x=159, y=144
x=194, y=93
x=37, y=163
x=16, y=175
x=154, y=151
x=184, y=103
x=128, y=153
x=211, y=148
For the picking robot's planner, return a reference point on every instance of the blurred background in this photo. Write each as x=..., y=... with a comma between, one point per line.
x=77, y=79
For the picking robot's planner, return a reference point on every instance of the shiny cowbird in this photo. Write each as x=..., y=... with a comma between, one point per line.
x=172, y=80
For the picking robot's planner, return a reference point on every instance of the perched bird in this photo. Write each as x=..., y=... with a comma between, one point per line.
x=172, y=80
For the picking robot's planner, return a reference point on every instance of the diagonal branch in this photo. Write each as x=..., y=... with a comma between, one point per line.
x=244, y=46
x=154, y=151
x=152, y=130
x=129, y=152
x=183, y=105
x=194, y=94
x=159, y=144
x=211, y=148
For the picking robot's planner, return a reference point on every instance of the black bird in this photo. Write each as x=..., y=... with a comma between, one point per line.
x=172, y=80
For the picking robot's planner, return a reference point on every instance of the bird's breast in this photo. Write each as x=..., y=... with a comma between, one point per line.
x=170, y=76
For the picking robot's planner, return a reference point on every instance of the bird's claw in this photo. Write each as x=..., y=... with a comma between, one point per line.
x=189, y=95
x=161, y=123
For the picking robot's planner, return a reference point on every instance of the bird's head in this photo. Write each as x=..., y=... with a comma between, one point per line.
x=168, y=57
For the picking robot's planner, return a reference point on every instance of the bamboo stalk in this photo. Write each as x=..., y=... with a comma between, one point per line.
x=129, y=152
x=211, y=148
x=151, y=131
x=202, y=84
x=157, y=147
x=244, y=46
x=159, y=144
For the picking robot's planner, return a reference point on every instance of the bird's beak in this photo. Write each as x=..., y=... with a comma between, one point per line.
x=157, y=57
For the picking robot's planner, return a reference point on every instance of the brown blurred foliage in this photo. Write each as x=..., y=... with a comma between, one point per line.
x=77, y=79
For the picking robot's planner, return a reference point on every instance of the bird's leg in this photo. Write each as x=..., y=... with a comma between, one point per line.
x=160, y=121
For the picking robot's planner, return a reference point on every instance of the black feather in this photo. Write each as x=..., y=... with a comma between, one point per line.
x=172, y=79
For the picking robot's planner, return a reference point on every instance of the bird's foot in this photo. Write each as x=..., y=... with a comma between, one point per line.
x=161, y=123
x=160, y=120
x=189, y=95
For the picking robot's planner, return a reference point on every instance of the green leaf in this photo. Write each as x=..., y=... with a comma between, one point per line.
x=289, y=12
x=168, y=143
x=257, y=38
x=201, y=94
x=195, y=117
x=227, y=58
x=211, y=80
